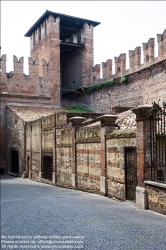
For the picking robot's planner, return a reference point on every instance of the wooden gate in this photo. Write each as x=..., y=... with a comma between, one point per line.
x=130, y=174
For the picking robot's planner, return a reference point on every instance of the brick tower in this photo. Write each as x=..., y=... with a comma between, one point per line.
x=65, y=45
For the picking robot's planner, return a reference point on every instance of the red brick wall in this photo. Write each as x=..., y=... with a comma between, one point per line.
x=145, y=86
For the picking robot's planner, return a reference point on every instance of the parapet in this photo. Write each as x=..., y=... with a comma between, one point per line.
x=161, y=39
x=3, y=63
x=96, y=72
x=120, y=64
x=33, y=66
x=18, y=65
x=107, y=68
x=135, y=58
x=49, y=26
x=148, y=50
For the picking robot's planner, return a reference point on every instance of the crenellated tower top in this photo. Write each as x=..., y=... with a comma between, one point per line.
x=67, y=42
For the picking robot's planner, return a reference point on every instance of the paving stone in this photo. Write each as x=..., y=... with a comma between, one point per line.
x=34, y=209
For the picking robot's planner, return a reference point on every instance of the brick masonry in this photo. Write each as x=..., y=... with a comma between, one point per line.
x=143, y=87
x=86, y=161
x=79, y=151
x=156, y=198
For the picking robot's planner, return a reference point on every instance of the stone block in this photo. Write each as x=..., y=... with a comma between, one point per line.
x=54, y=178
x=73, y=179
x=141, y=198
x=40, y=175
x=103, y=184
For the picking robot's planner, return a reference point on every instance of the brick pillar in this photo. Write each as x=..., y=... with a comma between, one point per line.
x=143, y=151
x=76, y=123
x=107, y=125
x=87, y=52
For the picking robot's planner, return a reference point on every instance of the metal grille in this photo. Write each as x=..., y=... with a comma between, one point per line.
x=47, y=164
x=14, y=160
x=130, y=173
x=158, y=142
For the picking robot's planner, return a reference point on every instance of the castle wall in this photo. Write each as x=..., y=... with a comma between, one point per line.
x=19, y=89
x=140, y=84
x=144, y=86
x=29, y=88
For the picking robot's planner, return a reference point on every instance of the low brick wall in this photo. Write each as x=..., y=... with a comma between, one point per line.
x=156, y=196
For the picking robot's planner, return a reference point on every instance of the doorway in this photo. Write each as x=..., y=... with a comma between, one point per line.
x=14, y=160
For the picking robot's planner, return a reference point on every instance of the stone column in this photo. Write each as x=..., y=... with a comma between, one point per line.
x=143, y=152
x=107, y=125
x=76, y=123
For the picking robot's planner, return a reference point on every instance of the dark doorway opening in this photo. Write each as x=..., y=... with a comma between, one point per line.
x=47, y=164
x=130, y=174
x=14, y=160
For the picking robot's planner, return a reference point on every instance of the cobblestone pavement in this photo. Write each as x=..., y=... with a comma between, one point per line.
x=40, y=216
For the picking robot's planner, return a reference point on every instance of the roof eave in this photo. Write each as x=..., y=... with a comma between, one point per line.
x=47, y=13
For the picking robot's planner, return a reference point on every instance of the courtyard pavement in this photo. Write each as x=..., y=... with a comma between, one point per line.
x=40, y=216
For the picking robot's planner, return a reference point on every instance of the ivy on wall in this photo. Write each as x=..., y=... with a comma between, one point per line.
x=124, y=79
x=99, y=86
x=93, y=88
x=76, y=109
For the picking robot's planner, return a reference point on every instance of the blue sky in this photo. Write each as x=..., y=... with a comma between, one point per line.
x=124, y=25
